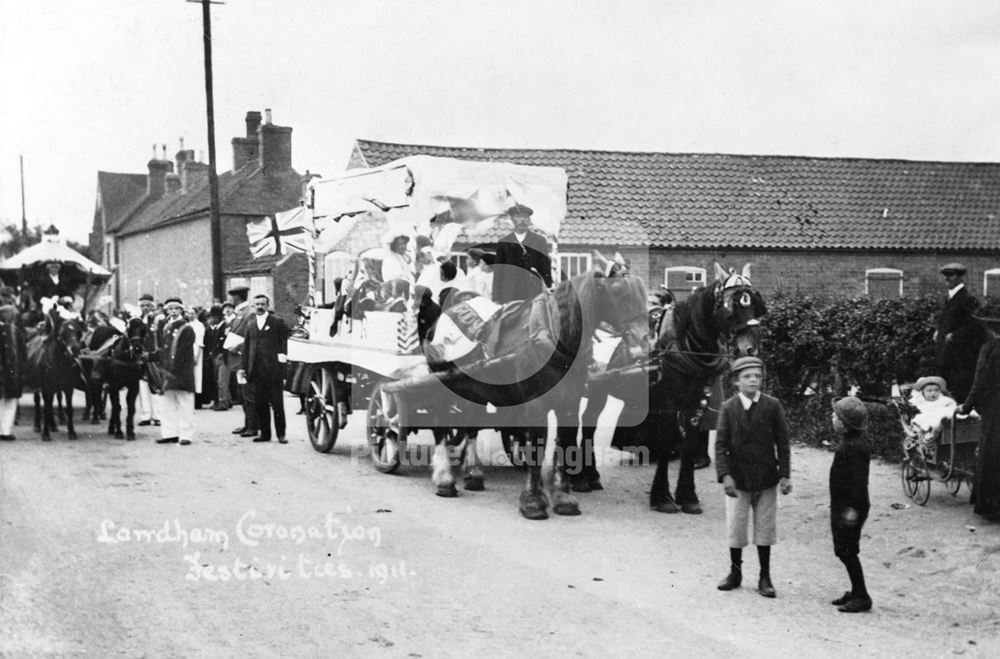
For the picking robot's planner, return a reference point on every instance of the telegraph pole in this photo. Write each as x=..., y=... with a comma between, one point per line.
x=215, y=221
x=24, y=216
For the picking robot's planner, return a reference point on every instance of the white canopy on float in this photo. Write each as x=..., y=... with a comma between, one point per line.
x=425, y=192
x=55, y=250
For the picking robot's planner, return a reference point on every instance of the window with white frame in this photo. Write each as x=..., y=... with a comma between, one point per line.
x=258, y=285
x=574, y=263
x=262, y=285
x=682, y=280
x=881, y=283
x=991, y=282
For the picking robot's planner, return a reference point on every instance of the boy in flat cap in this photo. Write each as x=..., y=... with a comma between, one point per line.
x=752, y=463
x=849, y=502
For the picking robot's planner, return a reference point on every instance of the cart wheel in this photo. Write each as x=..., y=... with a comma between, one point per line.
x=383, y=430
x=322, y=418
x=954, y=485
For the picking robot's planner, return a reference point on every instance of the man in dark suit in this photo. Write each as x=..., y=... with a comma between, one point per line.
x=959, y=336
x=522, y=268
x=262, y=366
x=53, y=283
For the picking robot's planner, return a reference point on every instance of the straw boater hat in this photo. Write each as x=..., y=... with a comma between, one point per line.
x=852, y=412
x=931, y=379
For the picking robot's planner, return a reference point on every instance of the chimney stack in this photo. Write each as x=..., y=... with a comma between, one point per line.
x=156, y=179
x=275, y=146
x=172, y=182
x=246, y=149
x=193, y=175
x=183, y=156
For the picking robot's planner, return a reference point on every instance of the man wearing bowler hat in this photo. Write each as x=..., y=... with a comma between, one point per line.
x=522, y=268
x=243, y=315
x=959, y=336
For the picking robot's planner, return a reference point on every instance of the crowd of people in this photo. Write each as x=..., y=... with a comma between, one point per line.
x=231, y=353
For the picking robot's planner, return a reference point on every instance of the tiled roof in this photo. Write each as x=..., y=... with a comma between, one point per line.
x=247, y=191
x=774, y=202
x=119, y=194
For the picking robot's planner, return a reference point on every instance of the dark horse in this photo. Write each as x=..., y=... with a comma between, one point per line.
x=121, y=370
x=52, y=366
x=541, y=355
x=691, y=349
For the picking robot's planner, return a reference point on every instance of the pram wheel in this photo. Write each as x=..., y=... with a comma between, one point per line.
x=916, y=480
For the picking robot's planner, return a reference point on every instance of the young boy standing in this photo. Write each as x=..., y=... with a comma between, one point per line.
x=752, y=463
x=849, y=502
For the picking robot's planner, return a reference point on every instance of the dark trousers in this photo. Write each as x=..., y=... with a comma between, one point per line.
x=267, y=393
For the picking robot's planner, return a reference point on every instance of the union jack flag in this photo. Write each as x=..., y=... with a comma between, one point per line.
x=282, y=233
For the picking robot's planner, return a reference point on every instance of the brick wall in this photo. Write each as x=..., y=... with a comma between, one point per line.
x=839, y=274
x=173, y=260
x=291, y=286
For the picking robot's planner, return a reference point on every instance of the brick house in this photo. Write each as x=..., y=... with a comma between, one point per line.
x=156, y=237
x=837, y=226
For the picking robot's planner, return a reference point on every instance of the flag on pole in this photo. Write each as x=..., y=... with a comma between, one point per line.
x=282, y=233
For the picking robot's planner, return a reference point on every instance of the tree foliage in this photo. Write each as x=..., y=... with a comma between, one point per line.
x=13, y=240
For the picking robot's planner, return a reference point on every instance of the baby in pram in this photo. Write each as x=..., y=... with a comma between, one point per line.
x=928, y=408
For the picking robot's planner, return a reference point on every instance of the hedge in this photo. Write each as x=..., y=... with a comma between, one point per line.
x=816, y=348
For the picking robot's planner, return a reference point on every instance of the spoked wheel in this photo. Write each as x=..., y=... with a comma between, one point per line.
x=322, y=418
x=954, y=485
x=384, y=430
x=916, y=481
x=908, y=476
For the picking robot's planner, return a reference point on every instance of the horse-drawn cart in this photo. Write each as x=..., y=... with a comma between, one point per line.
x=371, y=359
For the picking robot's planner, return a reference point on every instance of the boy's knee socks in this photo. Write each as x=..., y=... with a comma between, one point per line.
x=736, y=559
x=764, y=555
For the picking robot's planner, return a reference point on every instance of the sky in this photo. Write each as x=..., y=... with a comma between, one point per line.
x=89, y=85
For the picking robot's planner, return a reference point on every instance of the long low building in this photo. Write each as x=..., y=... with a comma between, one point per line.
x=839, y=226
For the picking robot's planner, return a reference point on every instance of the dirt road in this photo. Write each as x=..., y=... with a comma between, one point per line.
x=228, y=548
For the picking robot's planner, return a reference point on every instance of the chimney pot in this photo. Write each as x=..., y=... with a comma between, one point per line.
x=267, y=116
x=253, y=123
